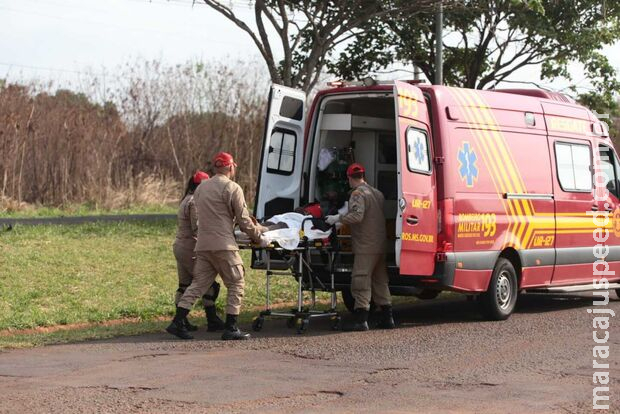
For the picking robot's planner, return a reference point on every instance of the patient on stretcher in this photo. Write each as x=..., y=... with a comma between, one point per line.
x=284, y=229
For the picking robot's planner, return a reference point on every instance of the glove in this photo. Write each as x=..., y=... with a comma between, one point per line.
x=331, y=220
x=263, y=242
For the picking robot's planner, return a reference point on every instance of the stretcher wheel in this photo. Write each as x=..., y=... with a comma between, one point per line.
x=257, y=323
x=291, y=322
x=335, y=323
x=302, y=325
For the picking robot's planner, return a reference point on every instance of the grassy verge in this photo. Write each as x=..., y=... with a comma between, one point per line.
x=89, y=210
x=94, y=273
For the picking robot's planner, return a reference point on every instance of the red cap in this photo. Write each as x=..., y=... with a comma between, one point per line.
x=223, y=159
x=354, y=169
x=199, y=176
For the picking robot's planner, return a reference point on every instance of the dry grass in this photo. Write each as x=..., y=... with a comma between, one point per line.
x=150, y=190
x=138, y=146
x=10, y=205
x=150, y=193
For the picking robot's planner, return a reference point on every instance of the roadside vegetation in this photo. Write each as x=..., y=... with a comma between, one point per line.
x=29, y=211
x=129, y=142
x=85, y=276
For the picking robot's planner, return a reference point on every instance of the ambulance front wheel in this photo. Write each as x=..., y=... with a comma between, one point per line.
x=500, y=299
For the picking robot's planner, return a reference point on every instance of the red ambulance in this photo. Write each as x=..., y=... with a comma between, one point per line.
x=487, y=193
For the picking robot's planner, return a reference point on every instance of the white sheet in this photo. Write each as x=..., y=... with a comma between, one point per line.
x=289, y=238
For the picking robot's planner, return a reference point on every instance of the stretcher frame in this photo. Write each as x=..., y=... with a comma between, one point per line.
x=297, y=260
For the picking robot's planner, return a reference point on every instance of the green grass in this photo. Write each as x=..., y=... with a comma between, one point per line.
x=58, y=275
x=88, y=210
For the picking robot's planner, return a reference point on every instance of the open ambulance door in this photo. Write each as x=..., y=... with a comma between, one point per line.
x=279, y=176
x=417, y=216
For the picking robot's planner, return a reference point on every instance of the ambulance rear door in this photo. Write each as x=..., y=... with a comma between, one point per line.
x=279, y=177
x=417, y=217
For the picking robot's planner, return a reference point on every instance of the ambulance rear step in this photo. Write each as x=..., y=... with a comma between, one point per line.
x=575, y=288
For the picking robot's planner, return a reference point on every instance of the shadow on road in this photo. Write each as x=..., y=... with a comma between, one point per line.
x=462, y=310
x=421, y=313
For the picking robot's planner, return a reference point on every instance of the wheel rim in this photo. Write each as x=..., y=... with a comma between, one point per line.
x=504, y=293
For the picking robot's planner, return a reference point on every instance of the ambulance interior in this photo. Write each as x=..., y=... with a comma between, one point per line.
x=359, y=128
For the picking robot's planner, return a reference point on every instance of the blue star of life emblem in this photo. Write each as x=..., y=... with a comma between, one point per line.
x=419, y=151
x=468, y=170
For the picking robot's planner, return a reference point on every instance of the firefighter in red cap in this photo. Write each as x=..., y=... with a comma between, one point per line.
x=369, y=277
x=219, y=204
x=183, y=249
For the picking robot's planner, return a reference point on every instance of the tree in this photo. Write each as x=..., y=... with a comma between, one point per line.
x=486, y=42
x=309, y=30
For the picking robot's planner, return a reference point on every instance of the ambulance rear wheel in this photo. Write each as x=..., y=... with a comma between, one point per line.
x=618, y=293
x=500, y=299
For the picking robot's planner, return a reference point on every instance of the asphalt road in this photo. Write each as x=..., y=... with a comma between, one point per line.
x=442, y=359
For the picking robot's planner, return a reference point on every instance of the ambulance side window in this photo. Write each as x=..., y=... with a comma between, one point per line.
x=610, y=171
x=574, y=164
x=418, y=156
x=281, y=159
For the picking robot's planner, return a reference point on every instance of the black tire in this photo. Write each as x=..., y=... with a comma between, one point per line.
x=257, y=324
x=335, y=323
x=302, y=326
x=499, y=301
x=618, y=293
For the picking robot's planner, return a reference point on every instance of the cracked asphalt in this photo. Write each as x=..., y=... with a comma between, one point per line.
x=443, y=359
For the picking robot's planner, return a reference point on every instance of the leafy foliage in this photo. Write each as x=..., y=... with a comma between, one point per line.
x=485, y=42
x=309, y=30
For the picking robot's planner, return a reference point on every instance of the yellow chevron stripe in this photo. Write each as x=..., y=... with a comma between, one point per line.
x=497, y=138
x=524, y=207
x=518, y=224
x=523, y=221
x=574, y=231
x=490, y=161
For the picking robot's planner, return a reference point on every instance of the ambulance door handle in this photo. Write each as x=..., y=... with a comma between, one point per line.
x=413, y=220
x=594, y=207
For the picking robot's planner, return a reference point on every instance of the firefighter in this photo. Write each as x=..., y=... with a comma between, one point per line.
x=369, y=278
x=183, y=249
x=219, y=203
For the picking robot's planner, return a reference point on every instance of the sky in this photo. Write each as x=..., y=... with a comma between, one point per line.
x=59, y=39
x=55, y=38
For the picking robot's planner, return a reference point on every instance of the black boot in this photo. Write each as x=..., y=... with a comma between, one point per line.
x=232, y=331
x=177, y=327
x=360, y=321
x=189, y=326
x=214, y=323
x=386, y=320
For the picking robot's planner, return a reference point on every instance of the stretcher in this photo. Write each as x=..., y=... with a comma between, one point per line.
x=297, y=263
